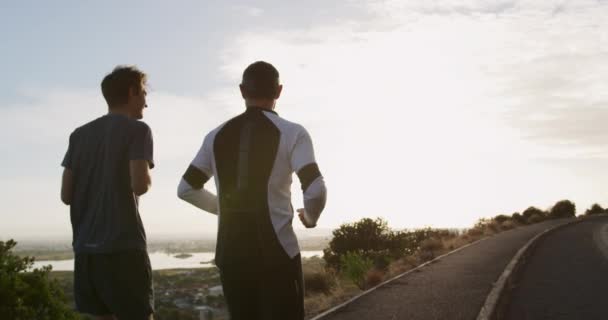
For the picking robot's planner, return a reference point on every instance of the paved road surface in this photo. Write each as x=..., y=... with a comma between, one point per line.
x=566, y=277
x=453, y=288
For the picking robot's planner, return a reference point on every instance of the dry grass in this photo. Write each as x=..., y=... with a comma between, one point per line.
x=508, y=225
x=374, y=277
x=402, y=265
x=317, y=303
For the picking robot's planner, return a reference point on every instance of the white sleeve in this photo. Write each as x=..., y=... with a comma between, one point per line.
x=302, y=152
x=200, y=198
x=313, y=185
x=191, y=187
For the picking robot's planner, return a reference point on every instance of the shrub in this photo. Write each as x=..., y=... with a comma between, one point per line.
x=501, y=218
x=536, y=218
x=532, y=211
x=475, y=232
x=429, y=248
x=381, y=259
x=365, y=235
x=373, y=278
x=563, y=209
x=518, y=218
x=402, y=265
x=507, y=225
x=319, y=282
x=355, y=266
x=29, y=294
x=595, y=209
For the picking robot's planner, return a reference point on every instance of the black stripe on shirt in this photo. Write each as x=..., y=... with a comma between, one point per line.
x=308, y=174
x=195, y=177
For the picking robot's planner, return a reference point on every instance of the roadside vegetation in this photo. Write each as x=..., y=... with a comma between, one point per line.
x=367, y=252
x=360, y=255
x=29, y=294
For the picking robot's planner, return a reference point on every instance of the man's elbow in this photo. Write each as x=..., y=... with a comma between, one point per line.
x=181, y=194
x=67, y=200
x=183, y=189
x=139, y=190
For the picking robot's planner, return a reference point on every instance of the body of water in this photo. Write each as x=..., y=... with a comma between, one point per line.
x=161, y=260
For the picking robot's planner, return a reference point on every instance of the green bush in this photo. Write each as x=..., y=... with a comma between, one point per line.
x=532, y=211
x=364, y=236
x=355, y=266
x=381, y=259
x=501, y=218
x=595, y=209
x=536, y=218
x=29, y=294
x=518, y=218
x=563, y=209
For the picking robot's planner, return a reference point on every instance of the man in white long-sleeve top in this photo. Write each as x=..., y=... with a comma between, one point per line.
x=252, y=158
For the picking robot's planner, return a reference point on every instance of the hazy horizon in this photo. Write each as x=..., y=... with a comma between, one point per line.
x=423, y=113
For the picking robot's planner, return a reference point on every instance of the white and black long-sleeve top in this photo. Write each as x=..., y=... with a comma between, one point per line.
x=252, y=158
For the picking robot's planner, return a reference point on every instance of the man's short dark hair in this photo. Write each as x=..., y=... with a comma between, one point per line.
x=116, y=85
x=260, y=81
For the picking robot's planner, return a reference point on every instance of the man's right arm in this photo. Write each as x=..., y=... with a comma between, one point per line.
x=141, y=159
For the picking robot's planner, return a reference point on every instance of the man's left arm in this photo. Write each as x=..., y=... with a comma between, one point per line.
x=313, y=184
x=191, y=187
x=67, y=186
x=67, y=178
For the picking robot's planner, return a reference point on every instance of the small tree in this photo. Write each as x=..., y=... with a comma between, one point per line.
x=531, y=211
x=563, y=209
x=355, y=266
x=29, y=294
x=366, y=236
x=595, y=209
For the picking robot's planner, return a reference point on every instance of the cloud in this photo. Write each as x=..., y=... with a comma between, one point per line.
x=476, y=7
x=248, y=10
x=426, y=113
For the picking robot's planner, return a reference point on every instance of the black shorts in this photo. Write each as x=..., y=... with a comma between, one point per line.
x=254, y=292
x=118, y=284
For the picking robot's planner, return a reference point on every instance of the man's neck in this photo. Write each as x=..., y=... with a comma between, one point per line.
x=119, y=110
x=262, y=104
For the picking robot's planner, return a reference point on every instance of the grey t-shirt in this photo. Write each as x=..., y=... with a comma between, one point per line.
x=104, y=210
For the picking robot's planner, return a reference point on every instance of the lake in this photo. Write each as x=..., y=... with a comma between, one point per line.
x=161, y=260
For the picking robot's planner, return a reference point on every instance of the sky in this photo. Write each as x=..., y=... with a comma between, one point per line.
x=424, y=113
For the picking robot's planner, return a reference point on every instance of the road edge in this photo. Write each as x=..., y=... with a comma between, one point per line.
x=332, y=310
x=497, y=297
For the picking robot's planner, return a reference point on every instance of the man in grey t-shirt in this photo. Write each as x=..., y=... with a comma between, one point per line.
x=106, y=169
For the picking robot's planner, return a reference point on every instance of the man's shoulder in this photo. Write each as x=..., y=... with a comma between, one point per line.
x=210, y=136
x=100, y=125
x=86, y=127
x=134, y=127
x=139, y=125
x=285, y=125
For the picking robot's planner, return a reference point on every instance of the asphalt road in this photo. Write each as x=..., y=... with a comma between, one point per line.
x=566, y=277
x=453, y=288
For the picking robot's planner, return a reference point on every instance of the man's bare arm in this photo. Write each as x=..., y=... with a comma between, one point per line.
x=67, y=186
x=140, y=176
x=200, y=198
